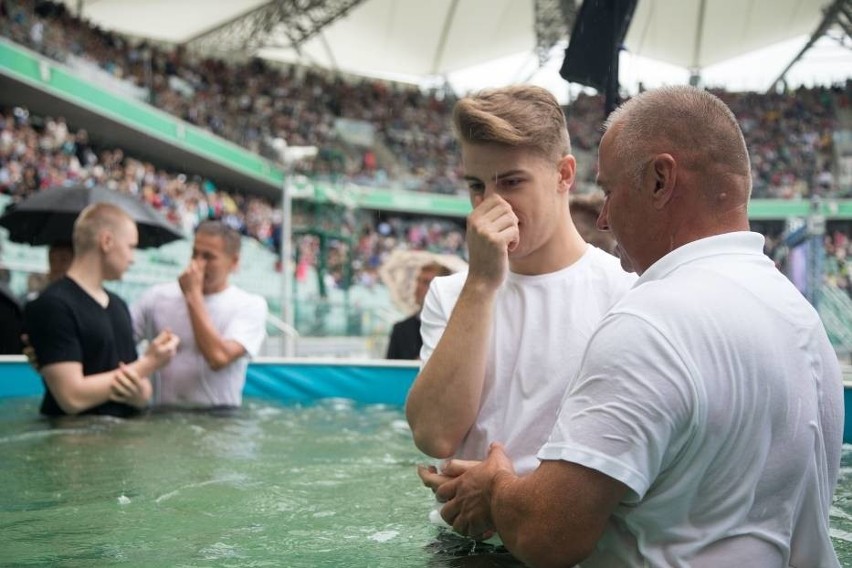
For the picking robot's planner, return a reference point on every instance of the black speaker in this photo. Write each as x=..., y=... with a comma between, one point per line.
x=592, y=55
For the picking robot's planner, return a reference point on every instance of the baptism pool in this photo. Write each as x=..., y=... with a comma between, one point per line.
x=301, y=476
x=331, y=484
x=327, y=484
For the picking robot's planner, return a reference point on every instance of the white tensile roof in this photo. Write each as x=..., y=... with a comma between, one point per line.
x=435, y=37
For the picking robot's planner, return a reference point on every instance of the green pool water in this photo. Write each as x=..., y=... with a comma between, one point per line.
x=331, y=484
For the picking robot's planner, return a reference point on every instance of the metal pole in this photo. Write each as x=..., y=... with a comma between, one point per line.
x=286, y=256
x=816, y=249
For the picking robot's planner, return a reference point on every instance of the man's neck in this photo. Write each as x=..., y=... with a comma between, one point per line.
x=88, y=276
x=561, y=252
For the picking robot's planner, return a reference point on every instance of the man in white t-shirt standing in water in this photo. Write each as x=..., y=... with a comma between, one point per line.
x=501, y=340
x=220, y=325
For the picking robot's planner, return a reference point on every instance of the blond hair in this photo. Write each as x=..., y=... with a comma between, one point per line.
x=94, y=219
x=520, y=115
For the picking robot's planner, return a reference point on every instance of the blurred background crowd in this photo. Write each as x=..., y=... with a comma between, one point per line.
x=403, y=142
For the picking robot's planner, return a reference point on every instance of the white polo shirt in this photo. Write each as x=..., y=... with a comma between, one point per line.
x=711, y=390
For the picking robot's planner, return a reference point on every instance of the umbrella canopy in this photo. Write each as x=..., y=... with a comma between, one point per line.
x=47, y=217
x=399, y=273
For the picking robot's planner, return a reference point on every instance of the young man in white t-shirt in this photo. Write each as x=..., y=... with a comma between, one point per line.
x=220, y=325
x=705, y=425
x=501, y=340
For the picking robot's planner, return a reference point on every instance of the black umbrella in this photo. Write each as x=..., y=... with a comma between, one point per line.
x=47, y=217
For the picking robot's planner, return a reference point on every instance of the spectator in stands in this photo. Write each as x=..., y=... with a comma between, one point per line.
x=501, y=339
x=219, y=325
x=82, y=332
x=405, y=341
x=704, y=427
x=59, y=258
x=585, y=210
x=11, y=318
x=60, y=255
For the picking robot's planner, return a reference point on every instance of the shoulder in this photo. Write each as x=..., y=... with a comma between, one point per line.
x=160, y=291
x=449, y=285
x=607, y=272
x=238, y=292
x=52, y=297
x=7, y=297
x=410, y=321
x=246, y=301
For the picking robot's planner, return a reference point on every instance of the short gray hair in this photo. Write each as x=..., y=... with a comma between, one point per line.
x=692, y=122
x=229, y=236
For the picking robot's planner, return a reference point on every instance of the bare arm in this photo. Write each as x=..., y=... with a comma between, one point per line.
x=552, y=517
x=217, y=351
x=75, y=393
x=444, y=400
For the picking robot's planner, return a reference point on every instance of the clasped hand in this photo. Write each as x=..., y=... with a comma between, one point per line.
x=129, y=388
x=163, y=348
x=466, y=487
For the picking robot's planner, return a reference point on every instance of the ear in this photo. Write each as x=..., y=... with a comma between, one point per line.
x=105, y=240
x=567, y=171
x=664, y=178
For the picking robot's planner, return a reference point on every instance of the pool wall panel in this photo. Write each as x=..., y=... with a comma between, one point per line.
x=288, y=381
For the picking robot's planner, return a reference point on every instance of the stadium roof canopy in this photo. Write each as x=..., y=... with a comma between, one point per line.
x=435, y=37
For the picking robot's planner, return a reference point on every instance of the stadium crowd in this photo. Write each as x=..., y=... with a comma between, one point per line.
x=37, y=153
x=255, y=104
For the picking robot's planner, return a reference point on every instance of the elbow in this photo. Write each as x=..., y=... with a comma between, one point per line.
x=541, y=549
x=70, y=405
x=432, y=443
x=430, y=436
x=218, y=361
x=435, y=448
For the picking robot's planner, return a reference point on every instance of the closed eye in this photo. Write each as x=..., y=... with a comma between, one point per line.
x=476, y=187
x=511, y=182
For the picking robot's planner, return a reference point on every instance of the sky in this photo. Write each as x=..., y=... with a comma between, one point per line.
x=824, y=63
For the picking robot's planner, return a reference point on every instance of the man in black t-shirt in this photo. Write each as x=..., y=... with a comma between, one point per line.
x=83, y=333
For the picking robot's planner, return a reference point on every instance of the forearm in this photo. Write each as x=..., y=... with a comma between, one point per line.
x=213, y=347
x=554, y=516
x=444, y=400
x=519, y=514
x=75, y=393
x=144, y=365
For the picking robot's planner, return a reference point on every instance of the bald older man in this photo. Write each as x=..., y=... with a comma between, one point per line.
x=704, y=427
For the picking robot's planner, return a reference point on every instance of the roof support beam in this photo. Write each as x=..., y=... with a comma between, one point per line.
x=280, y=23
x=445, y=33
x=695, y=65
x=832, y=16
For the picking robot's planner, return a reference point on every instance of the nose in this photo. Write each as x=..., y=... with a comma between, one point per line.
x=487, y=190
x=603, y=223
